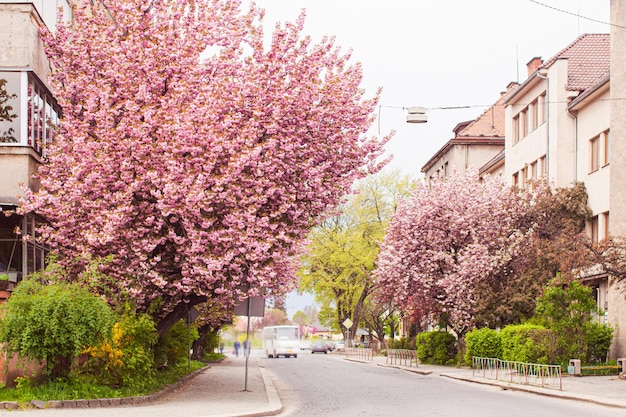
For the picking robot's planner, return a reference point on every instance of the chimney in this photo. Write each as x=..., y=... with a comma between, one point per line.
x=533, y=65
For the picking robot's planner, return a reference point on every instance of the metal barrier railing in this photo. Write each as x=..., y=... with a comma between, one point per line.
x=545, y=376
x=404, y=357
x=364, y=354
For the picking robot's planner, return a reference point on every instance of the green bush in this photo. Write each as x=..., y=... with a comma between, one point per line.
x=437, y=348
x=54, y=323
x=598, y=340
x=529, y=343
x=127, y=359
x=569, y=309
x=484, y=343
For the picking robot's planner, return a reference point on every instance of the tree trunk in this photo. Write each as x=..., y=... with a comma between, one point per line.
x=179, y=312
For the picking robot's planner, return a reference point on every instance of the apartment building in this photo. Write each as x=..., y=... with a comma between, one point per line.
x=475, y=142
x=561, y=125
x=23, y=139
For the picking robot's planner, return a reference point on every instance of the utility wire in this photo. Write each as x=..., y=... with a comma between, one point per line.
x=576, y=14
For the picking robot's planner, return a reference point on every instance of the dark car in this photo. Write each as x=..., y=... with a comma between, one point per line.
x=319, y=346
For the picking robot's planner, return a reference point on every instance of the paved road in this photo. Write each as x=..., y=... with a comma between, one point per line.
x=327, y=385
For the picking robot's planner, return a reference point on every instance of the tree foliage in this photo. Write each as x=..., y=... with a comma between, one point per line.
x=54, y=323
x=342, y=252
x=569, y=309
x=192, y=153
x=557, y=247
x=451, y=235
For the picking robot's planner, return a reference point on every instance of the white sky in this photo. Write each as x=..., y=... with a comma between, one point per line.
x=438, y=53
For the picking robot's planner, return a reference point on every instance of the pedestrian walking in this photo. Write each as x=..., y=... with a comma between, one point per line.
x=237, y=346
x=221, y=348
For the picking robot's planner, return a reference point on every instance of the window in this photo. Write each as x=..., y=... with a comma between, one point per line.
x=594, y=154
x=541, y=112
x=516, y=130
x=43, y=115
x=542, y=167
x=599, y=151
x=516, y=179
x=594, y=228
x=523, y=123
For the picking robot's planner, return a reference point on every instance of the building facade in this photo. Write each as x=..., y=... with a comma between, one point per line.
x=31, y=127
x=560, y=126
x=474, y=144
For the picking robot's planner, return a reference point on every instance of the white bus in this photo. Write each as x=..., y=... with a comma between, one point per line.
x=281, y=340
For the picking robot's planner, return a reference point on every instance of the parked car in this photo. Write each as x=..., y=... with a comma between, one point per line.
x=340, y=345
x=305, y=345
x=319, y=346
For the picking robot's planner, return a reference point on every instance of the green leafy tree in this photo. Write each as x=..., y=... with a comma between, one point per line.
x=569, y=309
x=341, y=256
x=301, y=318
x=54, y=323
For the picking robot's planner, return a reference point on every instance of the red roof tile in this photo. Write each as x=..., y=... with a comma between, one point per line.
x=589, y=59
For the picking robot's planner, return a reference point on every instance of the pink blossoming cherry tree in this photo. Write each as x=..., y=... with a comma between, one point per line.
x=194, y=154
x=448, y=236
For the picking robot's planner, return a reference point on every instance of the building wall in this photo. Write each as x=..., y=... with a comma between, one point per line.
x=460, y=157
x=19, y=36
x=617, y=197
x=592, y=120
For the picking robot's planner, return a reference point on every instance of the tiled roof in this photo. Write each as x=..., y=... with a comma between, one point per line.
x=491, y=122
x=589, y=59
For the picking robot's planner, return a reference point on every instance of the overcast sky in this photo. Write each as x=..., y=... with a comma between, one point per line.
x=439, y=53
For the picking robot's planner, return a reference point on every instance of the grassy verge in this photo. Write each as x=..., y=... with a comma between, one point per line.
x=74, y=389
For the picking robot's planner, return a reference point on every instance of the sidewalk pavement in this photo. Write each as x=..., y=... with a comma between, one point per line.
x=604, y=390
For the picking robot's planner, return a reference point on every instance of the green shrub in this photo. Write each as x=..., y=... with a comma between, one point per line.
x=569, y=309
x=484, y=343
x=127, y=360
x=598, y=340
x=529, y=343
x=437, y=348
x=54, y=323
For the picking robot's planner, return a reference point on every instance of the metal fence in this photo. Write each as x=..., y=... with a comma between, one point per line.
x=545, y=376
x=404, y=357
x=364, y=354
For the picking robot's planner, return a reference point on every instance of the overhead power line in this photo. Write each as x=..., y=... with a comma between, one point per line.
x=576, y=14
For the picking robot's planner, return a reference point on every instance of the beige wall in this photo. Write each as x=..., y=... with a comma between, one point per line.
x=591, y=120
x=20, y=162
x=617, y=315
x=19, y=36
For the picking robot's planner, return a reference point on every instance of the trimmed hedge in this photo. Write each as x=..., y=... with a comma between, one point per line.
x=485, y=343
x=436, y=348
